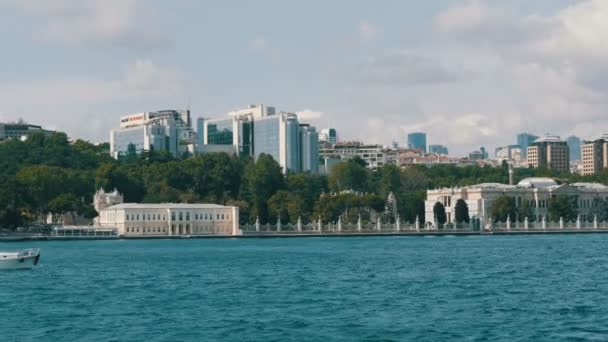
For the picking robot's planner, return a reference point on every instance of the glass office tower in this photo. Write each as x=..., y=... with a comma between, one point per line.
x=417, y=140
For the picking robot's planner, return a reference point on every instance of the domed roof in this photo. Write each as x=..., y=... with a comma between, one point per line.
x=537, y=182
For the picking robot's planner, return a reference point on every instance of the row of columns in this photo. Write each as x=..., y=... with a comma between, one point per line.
x=544, y=223
x=339, y=224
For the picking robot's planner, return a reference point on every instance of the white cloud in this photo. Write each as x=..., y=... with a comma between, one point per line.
x=88, y=107
x=367, y=31
x=262, y=46
x=309, y=114
x=485, y=71
x=403, y=69
x=124, y=23
x=465, y=17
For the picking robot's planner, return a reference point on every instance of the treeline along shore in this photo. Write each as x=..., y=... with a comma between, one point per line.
x=51, y=175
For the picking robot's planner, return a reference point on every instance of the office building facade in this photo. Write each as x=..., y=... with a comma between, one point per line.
x=20, y=130
x=574, y=144
x=549, y=152
x=260, y=129
x=417, y=141
x=167, y=130
x=595, y=157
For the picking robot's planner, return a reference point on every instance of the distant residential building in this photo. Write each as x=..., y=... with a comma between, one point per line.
x=595, y=157
x=373, y=155
x=510, y=152
x=20, y=130
x=167, y=130
x=170, y=219
x=549, y=152
x=532, y=192
x=394, y=145
x=574, y=144
x=476, y=155
x=260, y=129
x=410, y=158
x=328, y=135
x=524, y=140
x=417, y=141
x=438, y=149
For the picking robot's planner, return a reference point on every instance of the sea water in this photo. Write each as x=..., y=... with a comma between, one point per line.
x=484, y=288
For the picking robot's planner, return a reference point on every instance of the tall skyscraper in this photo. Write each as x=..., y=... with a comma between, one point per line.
x=574, y=144
x=309, y=149
x=167, y=130
x=200, y=131
x=524, y=140
x=549, y=152
x=417, y=140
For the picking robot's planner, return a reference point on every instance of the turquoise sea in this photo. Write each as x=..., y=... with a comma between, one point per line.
x=483, y=288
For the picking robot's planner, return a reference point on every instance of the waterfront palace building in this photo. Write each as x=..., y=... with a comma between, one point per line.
x=166, y=219
x=536, y=192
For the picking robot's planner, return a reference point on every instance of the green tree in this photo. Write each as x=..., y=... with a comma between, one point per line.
x=502, y=208
x=440, y=214
x=461, y=212
x=348, y=175
x=262, y=180
x=563, y=206
x=285, y=205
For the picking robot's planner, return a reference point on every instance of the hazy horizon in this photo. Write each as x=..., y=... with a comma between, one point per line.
x=469, y=73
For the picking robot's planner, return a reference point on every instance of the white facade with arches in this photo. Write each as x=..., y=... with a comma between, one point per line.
x=534, y=192
x=156, y=220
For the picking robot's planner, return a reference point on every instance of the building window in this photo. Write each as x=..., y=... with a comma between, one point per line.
x=181, y=216
x=172, y=216
x=188, y=216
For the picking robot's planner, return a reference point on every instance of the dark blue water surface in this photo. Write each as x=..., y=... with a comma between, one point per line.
x=513, y=288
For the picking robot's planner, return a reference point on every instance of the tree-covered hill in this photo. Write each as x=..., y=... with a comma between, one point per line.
x=52, y=175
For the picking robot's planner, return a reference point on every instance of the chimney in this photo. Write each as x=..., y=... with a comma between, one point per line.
x=511, y=174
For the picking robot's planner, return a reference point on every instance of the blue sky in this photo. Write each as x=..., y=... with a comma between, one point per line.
x=468, y=72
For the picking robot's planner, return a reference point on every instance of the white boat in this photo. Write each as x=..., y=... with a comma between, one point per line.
x=24, y=259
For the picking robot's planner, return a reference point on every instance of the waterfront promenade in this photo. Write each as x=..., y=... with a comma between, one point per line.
x=328, y=233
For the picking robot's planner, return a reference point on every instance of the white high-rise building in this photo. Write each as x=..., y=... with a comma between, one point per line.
x=167, y=130
x=260, y=129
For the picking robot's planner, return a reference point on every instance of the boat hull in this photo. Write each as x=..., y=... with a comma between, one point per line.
x=21, y=263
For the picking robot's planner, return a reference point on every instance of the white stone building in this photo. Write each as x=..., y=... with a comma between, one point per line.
x=156, y=220
x=535, y=192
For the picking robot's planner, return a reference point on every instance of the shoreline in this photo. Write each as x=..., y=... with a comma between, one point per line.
x=8, y=239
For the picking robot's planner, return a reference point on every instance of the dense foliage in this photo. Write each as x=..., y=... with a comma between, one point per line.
x=45, y=175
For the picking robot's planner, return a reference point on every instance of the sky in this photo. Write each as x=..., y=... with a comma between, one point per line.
x=470, y=73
